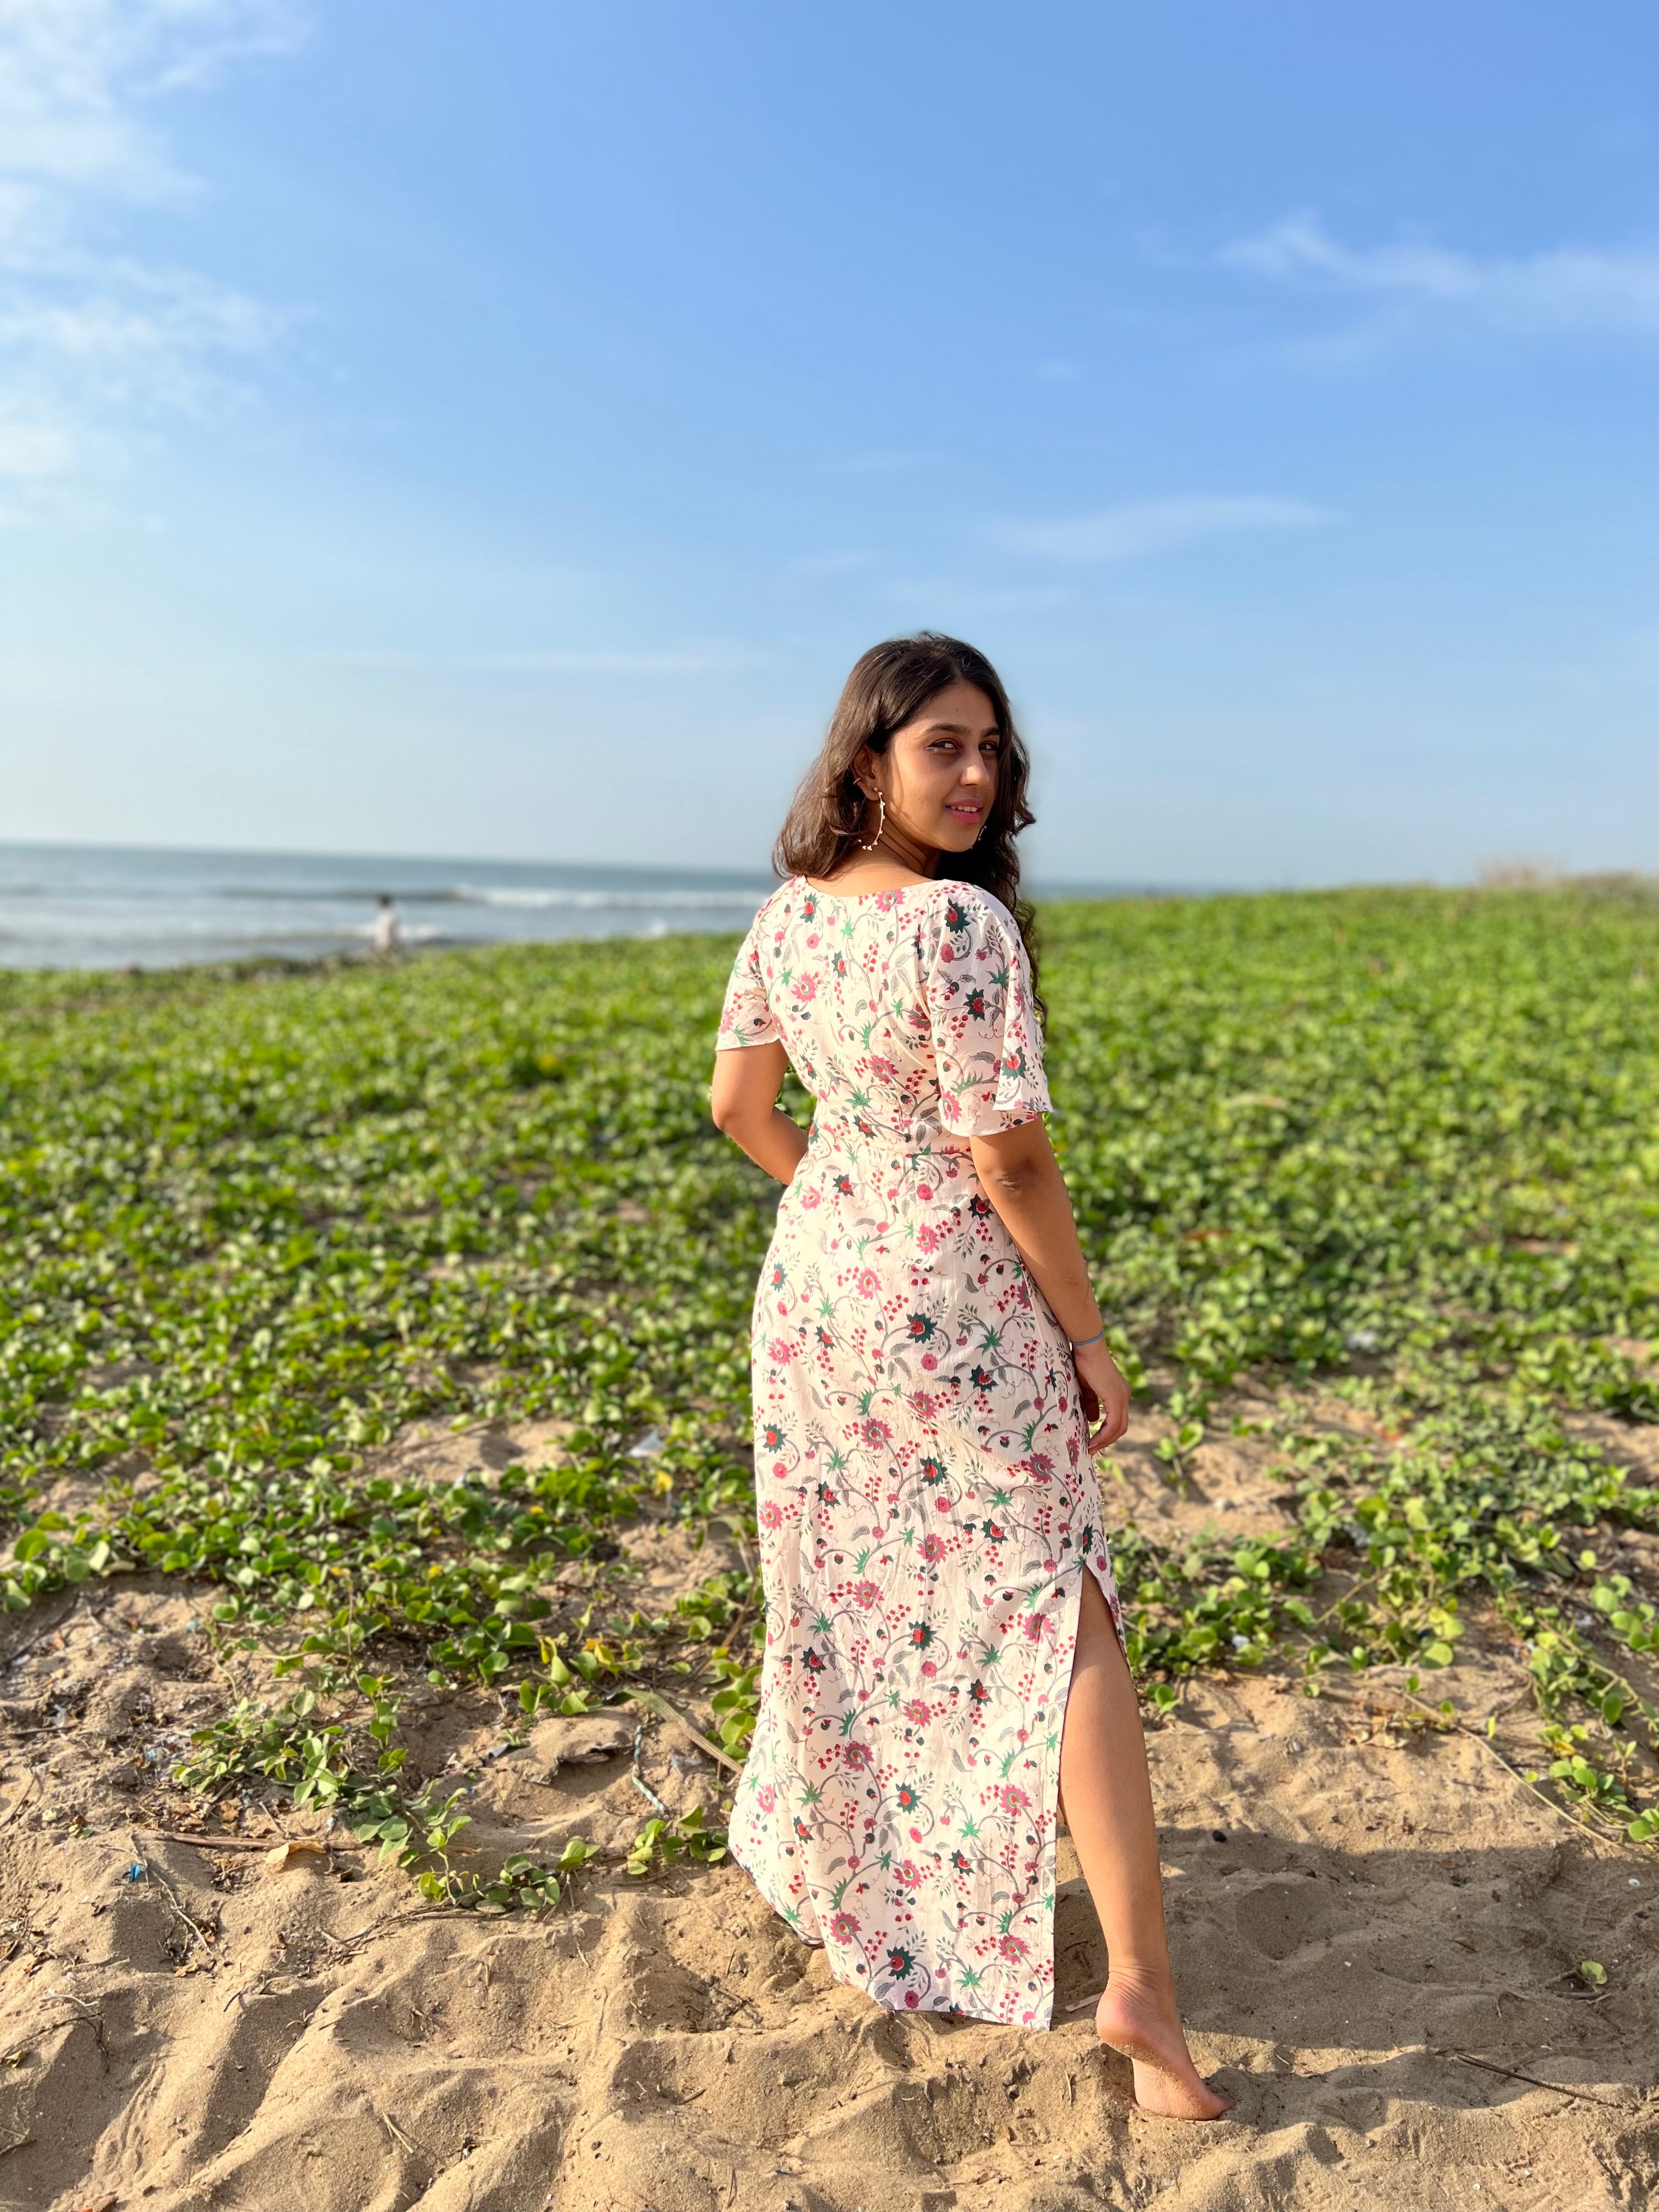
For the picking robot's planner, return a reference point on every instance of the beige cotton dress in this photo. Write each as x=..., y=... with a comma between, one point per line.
x=927, y=1503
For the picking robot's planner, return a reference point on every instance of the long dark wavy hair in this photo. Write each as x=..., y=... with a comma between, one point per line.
x=888, y=688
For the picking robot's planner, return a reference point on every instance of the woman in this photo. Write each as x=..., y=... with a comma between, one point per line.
x=943, y=1655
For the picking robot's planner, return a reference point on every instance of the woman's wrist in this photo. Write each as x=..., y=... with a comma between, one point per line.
x=1082, y=1343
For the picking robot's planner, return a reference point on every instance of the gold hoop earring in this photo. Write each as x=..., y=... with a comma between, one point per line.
x=881, y=824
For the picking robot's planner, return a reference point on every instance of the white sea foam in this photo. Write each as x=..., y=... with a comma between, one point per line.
x=594, y=902
x=104, y=906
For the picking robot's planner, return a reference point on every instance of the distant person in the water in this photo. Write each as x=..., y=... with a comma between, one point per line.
x=388, y=931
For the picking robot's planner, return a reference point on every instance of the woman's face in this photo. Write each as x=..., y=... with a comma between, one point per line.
x=938, y=774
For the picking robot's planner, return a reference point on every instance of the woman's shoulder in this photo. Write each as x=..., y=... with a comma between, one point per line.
x=776, y=907
x=961, y=906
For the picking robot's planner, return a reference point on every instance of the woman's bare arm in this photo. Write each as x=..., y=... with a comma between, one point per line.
x=743, y=1098
x=1021, y=1177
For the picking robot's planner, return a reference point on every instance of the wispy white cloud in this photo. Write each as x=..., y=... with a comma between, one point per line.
x=31, y=452
x=1565, y=289
x=1140, y=527
x=123, y=332
x=77, y=76
x=557, y=661
x=89, y=339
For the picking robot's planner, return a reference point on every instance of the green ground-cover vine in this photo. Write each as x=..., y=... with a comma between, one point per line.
x=1301, y=1127
x=1407, y=1142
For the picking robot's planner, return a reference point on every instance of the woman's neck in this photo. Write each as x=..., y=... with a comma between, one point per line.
x=896, y=860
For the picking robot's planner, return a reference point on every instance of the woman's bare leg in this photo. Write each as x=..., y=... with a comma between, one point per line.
x=1109, y=1810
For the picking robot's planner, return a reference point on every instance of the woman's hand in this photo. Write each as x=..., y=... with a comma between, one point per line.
x=1105, y=1395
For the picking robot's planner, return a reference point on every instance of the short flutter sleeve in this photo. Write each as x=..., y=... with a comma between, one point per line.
x=986, y=1044
x=746, y=1019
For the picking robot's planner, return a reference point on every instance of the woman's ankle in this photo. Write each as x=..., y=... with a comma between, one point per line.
x=1141, y=1976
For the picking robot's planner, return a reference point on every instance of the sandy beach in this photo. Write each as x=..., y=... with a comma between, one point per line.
x=1376, y=1927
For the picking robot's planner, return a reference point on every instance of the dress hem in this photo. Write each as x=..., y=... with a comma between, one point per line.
x=1038, y=2027
x=1043, y=2023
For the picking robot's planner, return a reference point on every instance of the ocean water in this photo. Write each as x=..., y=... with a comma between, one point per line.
x=85, y=906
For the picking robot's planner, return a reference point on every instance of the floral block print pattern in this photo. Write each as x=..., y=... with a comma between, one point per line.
x=927, y=1503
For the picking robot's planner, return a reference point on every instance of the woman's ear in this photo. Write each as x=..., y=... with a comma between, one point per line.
x=864, y=772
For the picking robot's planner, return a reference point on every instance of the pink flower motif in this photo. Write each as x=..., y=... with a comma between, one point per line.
x=929, y=1362
x=809, y=1199
x=921, y=1404
x=1012, y=1800
x=875, y=1433
x=859, y=1757
x=771, y=1514
x=867, y=1283
x=806, y=988
x=766, y=1797
x=866, y=1594
x=918, y=1710
x=782, y=1350
x=928, y=1670
x=932, y=1547
x=1013, y=1946
x=908, y=1875
x=928, y=1238
x=844, y=1926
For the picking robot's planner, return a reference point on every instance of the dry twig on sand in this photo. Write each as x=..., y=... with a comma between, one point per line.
x=247, y=1842
x=656, y=1702
x=192, y=1928
x=1513, y=2074
x=1455, y=1726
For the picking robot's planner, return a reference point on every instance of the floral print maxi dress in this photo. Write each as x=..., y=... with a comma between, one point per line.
x=927, y=1503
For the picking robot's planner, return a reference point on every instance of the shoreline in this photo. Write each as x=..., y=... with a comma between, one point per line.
x=1633, y=887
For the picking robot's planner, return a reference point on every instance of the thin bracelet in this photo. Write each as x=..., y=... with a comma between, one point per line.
x=1087, y=1340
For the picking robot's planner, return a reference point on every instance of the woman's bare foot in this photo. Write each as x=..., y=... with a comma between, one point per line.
x=1137, y=2017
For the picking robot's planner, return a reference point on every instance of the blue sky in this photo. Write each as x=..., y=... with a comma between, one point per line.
x=495, y=430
